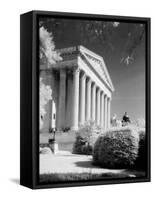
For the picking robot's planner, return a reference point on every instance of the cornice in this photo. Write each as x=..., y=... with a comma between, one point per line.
x=70, y=60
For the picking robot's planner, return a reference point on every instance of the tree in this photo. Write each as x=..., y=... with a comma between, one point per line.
x=45, y=96
x=96, y=32
x=47, y=55
x=47, y=47
x=135, y=38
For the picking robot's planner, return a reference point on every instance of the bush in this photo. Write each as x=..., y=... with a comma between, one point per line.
x=96, y=149
x=45, y=150
x=142, y=152
x=81, y=146
x=85, y=139
x=117, y=148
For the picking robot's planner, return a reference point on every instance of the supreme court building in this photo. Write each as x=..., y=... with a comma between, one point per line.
x=81, y=90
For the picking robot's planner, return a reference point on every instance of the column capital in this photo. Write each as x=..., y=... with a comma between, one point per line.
x=109, y=98
x=105, y=96
x=62, y=72
x=93, y=84
x=83, y=75
x=98, y=89
x=102, y=93
x=89, y=79
x=76, y=71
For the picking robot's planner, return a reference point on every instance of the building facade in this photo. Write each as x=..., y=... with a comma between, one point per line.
x=81, y=90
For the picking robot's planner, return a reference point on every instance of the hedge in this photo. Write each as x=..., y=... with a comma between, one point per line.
x=141, y=161
x=82, y=146
x=85, y=139
x=117, y=148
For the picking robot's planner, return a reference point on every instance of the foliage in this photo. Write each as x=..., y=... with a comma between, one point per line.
x=45, y=150
x=81, y=146
x=117, y=148
x=47, y=55
x=96, y=33
x=140, y=123
x=47, y=47
x=96, y=150
x=88, y=129
x=85, y=138
x=45, y=96
x=141, y=161
x=135, y=37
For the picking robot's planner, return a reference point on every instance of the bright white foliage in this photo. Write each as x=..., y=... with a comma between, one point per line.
x=47, y=50
x=140, y=122
x=45, y=96
x=47, y=47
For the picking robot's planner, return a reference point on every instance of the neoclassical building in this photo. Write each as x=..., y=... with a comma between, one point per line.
x=81, y=90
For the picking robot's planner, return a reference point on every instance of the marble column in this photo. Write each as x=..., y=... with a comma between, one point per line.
x=68, y=100
x=82, y=98
x=75, y=99
x=102, y=109
x=98, y=107
x=109, y=107
x=93, y=102
x=62, y=99
x=105, y=112
x=88, y=98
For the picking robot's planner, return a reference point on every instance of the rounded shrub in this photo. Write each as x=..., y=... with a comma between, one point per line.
x=85, y=139
x=81, y=146
x=96, y=149
x=45, y=150
x=116, y=148
x=141, y=160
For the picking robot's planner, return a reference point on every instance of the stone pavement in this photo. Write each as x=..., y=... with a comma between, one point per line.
x=66, y=162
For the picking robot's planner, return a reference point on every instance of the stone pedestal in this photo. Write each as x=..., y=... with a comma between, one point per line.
x=53, y=146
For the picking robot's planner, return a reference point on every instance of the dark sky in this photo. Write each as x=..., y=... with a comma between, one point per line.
x=129, y=83
x=128, y=80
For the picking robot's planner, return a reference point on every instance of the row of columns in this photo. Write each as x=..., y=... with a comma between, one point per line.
x=94, y=103
x=89, y=102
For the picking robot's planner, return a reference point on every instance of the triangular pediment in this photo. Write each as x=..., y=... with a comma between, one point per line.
x=98, y=65
x=96, y=62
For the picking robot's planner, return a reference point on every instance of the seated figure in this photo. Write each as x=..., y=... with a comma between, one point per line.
x=125, y=120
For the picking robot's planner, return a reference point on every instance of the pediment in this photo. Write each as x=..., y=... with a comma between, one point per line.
x=98, y=64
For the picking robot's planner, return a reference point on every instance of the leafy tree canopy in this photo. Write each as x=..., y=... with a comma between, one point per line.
x=69, y=32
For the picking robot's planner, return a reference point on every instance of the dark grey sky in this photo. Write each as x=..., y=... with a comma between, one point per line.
x=128, y=80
